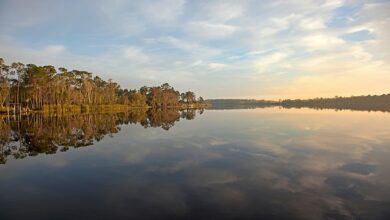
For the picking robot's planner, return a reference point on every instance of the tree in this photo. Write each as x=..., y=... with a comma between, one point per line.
x=44, y=87
x=18, y=70
x=4, y=91
x=190, y=97
x=4, y=85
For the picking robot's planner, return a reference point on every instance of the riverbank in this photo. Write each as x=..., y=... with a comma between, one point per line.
x=47, y=109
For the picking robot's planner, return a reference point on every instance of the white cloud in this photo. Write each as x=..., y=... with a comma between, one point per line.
x=206, y=30
x=217, y=66
x=332, y=4
x=321, y=42
x=312, y=23
x=223, y=10
x=166, y=10
x=298, y=44
x=135, y=54
x=267, y=61
x=192, y=49
x=54, y=49
x=285, y=21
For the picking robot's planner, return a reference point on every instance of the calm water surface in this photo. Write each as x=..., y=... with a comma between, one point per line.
x=222, y=164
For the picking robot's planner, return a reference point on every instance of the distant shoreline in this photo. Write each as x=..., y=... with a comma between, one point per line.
x=359, y=103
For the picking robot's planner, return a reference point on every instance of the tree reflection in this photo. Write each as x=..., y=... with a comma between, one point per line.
x=35, y=134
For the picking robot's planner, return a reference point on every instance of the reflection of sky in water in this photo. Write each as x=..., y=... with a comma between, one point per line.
x=263, y=163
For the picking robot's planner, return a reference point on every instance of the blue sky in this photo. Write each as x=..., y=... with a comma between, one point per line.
x=217, y=48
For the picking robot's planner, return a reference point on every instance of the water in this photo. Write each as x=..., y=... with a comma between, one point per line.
x=223, y=164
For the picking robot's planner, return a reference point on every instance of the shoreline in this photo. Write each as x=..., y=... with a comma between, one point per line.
x=49, y=109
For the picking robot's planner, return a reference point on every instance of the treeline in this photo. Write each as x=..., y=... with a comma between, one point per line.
x=362, y=103
x=238, y=103
x=31, y=87
x=34, y=134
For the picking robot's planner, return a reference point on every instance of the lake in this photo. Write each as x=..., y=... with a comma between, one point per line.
x=266, y=163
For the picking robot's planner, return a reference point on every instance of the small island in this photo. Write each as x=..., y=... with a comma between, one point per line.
x=32, y=88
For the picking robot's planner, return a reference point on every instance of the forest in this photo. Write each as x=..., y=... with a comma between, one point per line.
x=359, y=103
x=239, y=103
x=28, y=87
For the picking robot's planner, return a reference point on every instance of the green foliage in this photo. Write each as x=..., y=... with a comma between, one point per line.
x=365, y=103
x=33, y=87
x=239, y=103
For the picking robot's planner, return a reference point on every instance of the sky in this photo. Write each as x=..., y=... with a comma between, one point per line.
x=272, y=49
